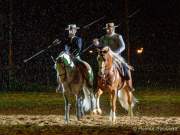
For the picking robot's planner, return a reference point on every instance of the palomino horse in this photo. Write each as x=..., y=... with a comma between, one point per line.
x=73, y=78
x=110, y=79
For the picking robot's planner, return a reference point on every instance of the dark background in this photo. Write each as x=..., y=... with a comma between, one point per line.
x=35, y=24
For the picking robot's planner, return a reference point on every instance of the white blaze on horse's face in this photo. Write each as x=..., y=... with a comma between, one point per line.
x=101, y=64
x=102, y=60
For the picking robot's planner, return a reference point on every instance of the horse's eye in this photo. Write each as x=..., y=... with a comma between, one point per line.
x=104, y=52
x=60, y=61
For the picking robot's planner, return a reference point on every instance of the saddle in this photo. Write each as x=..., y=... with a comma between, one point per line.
x=123, y=70
x=85, y=69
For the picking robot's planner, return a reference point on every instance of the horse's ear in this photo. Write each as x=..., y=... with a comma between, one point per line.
x=106, y=49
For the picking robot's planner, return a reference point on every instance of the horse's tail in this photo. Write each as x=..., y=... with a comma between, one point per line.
x=123, y=99
x=89, y=99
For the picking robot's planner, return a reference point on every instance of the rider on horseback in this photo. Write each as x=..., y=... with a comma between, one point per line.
x=73, y=46
x=116, y=43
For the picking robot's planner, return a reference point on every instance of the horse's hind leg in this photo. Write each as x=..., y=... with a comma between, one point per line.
x=79, y=108
x=130, y=102
x=93, y=102
x=129, y=98
x=67, y=109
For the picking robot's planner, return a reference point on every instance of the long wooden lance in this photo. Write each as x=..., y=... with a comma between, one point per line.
x=54, y=43
x=57, y=41
x=93, y=22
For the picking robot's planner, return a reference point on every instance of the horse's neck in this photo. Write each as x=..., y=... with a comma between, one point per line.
x=109, y=63
x=71, y=73
x=109, y=70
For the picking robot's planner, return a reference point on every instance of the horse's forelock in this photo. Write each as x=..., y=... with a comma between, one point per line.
x=64, y=57
x=108, y=57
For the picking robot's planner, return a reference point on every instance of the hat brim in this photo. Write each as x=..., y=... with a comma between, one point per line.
x=111, y=26
x=72, y=28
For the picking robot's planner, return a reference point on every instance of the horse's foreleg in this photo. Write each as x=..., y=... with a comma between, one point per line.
x=97, y=96
x=113, y=98
x=60, y=87
x=67, y=108
x=78, y=107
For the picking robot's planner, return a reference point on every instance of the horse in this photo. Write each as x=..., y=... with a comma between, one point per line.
x=110, y=79
x=73, y=79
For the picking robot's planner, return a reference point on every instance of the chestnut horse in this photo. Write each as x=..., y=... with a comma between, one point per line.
x=110, y=79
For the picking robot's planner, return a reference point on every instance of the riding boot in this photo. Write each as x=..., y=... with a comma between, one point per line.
x=128, y=77
x=129, y=84
x=129, y=81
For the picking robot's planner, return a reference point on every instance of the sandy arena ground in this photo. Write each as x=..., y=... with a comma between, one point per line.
x=136, y=123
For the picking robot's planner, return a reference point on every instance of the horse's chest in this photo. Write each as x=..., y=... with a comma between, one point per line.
x=105, y=81
x=76, y=78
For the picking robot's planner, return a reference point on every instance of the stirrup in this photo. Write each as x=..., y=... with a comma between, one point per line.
x=131, y=88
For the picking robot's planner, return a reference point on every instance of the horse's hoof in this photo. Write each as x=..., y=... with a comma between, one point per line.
x=59, y=89
x=94, y=112
x=80, y=119
x=131, y=115
x=112, y=120
x=66, y=122
x=99, y=111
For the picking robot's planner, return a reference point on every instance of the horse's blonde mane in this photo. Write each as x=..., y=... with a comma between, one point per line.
x=118, y=60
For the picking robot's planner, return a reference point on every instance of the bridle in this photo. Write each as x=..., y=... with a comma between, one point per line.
x=106, y=67
x=64, y=67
